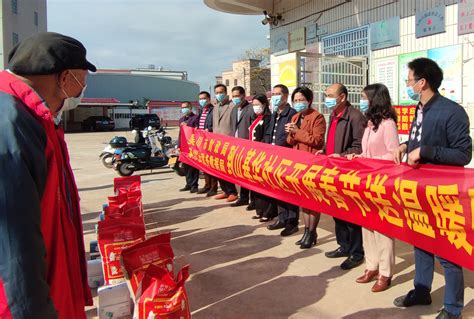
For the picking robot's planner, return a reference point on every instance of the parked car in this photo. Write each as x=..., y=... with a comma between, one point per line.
x=98, y=123
x=141, y=121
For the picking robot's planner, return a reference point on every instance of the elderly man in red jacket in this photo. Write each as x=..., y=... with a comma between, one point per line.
x=42, y=264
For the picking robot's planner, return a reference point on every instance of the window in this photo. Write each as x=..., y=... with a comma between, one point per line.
x=15, y=6
x=15, y=38
x=36, y=18
x=227, y=82
x=235, y=82
x=353, y=42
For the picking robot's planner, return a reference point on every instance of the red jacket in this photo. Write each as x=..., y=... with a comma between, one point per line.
x=43, y=270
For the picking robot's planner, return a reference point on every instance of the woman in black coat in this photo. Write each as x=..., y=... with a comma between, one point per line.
x=265, y=206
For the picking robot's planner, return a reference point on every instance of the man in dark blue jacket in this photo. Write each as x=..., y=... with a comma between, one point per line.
x=275, y=134
x=439, y=135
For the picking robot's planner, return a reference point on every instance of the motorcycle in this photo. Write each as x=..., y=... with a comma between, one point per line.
x=119, y=143
x=160, y=152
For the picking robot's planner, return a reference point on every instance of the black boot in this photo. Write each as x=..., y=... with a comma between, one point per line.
x=310, y=240
x=306, y=232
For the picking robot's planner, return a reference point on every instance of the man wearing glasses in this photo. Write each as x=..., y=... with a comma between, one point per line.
x=439, y=135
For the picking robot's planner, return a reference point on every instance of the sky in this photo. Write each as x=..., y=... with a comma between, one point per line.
x=183, y=35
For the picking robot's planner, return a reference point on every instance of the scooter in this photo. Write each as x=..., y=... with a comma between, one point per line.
x=119, y=143
x=157, y=155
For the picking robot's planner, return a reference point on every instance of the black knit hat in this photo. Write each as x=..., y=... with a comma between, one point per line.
x=48, y=53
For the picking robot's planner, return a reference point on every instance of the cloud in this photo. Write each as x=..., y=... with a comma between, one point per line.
x=181, y=35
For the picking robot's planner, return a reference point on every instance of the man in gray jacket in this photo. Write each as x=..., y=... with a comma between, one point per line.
x=242, y=117
x=221, y=118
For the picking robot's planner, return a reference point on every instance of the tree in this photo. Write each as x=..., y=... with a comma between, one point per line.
x=261, y=72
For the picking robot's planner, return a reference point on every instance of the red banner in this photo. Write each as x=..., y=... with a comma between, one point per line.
x=405, y=115
x=431, y=207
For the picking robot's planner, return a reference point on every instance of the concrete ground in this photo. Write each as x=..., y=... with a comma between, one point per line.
x=239, y=268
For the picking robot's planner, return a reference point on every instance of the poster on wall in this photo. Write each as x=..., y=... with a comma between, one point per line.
x=449, y=60
x=405, y=116
x=403, y=60
x=385, y=33
x=287, y=73
x=279, y=43
x=386, y=72
x=296, y=40
x=311, y=36
x=465, y=17
x=168, y=114
x=430, y=22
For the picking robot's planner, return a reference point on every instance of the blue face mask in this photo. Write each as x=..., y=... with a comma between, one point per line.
x=276, y=101
x=203, y=102
x=220, y=97
x=186, y=111
x=300, y=106
x=412, y=94
x=364, y=105
x=236, y=100
x=330, y=102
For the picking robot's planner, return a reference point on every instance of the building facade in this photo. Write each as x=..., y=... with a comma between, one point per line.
x=249, y=74
x=20, y=19
x=358, y=42
x=151, y=71
x=127, y=87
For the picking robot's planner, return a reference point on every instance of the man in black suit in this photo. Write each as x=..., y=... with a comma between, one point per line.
x=275, y=134
x=241, y=118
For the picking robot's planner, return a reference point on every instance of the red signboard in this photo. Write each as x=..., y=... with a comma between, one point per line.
x=169, y=111
x=405, y=116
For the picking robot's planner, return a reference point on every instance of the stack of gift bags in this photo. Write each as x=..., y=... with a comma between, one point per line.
x=134, y=273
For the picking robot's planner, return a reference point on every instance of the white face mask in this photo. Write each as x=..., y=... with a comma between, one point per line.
x=71, y=102
x=258, y=109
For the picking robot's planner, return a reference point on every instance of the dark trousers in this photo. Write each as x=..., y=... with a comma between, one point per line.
x=265, y=206
x=288, y=213
x=349, y=237
x=192, y=176
x=228, y=187
x=244, y=194
x=211, y=182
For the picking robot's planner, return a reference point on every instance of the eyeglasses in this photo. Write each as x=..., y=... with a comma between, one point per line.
x=407, y=81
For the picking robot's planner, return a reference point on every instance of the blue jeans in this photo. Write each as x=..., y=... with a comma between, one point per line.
x=453, y=275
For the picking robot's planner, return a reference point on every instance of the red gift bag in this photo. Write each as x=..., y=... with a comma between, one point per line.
x=127, y=184
x=114, y=235
x=163, y=296
x=137, y=258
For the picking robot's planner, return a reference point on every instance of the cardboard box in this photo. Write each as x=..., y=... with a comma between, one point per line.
x=114, y=302
x=95, y=276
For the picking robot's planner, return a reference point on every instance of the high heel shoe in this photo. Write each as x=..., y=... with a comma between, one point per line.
x=305, y=234
x=310, y=240
x=382, y=283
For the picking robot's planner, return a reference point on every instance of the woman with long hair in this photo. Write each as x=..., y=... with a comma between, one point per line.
x=379, y=141
x=306, y=133
x=265, y=206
